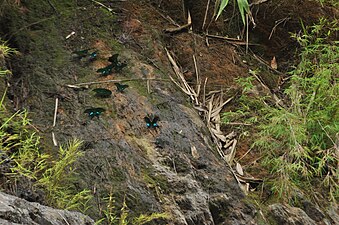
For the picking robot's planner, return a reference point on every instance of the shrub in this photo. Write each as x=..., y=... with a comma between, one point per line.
x=299, y=142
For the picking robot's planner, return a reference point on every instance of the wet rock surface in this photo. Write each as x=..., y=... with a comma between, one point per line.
x=15, y=211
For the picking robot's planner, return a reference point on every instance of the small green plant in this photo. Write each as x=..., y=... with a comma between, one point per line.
x=328, y=2
x=20, y=145
x=5, y=50
x=22, y=155
x=243, y=6
x=57, y=180
x=112, y=218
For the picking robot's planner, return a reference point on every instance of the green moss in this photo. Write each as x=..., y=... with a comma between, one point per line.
x=156, y=181
x=141, y=88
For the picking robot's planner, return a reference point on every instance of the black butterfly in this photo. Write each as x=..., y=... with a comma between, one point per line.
x=118, y=66
x=92, y=112
x=121, y=87
x=102, y=92
x=93, y=56
x=106, y=70
x=81, y=53
x=114, y=59
x=151, y=121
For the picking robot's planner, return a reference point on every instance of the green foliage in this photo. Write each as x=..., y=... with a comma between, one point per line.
x=220, y=6
x=334, y=3
x=143, y=219
x=112, y=218
x=243, y=6
x=57, y=180
x=298, y=142
x=6, y=51
x=20, y=147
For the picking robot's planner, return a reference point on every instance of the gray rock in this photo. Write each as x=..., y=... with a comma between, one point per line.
x=284, y=214
x=15, y=211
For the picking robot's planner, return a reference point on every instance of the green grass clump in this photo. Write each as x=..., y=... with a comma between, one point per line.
x=112, y=216
x=299, y=141
x=20, y=147
x=57, y=180
x=5, y=52
x=22, y=157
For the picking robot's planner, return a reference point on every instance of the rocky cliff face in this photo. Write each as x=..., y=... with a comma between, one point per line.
x=15, y=211
x=153, y=169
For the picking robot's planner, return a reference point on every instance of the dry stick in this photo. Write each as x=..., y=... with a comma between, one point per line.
x=197, y=75
x=233, y=41
x=168, y=18
x=63, y=218
x=112, y=81
x=205, y=17
x=209, y=110
x=231, y=155
x=217, y=110
x=277, y=23
x=247, y=25
x=204, y=96
x=148, y=84
x=102, y=5
x=177, y=29
x=278, y=101
x=55, y=111
x=54, y=121
x=53, y=7
x=32, y=24
x=238, y=123
x=244, y=155
x=182, y=79
x=54, y=140
x=179, y=86
x=266, y=64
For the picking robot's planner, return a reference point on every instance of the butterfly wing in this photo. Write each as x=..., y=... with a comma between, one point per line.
x=148, y=121
x=93, y=56
x=121, y=87
x=106, y=70
x=119, y=66
x=102, y=92
x=81, y=53
x=94, y=112
x=101, y=70
x=100, y=110
x=114, y=59
x=88, y=110
x=124, y=86
x=155, y=121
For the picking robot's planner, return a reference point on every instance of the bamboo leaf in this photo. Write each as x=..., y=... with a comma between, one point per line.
x=243, y=7
x=223, y=4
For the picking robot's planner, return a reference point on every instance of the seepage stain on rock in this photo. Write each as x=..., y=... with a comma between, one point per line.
x=15, y=211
